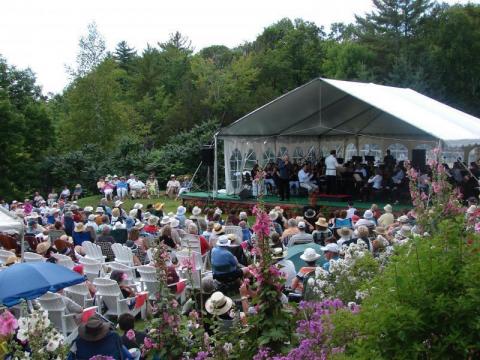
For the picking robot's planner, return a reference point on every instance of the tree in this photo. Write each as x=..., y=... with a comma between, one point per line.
x=124, y=55
x=91, y=52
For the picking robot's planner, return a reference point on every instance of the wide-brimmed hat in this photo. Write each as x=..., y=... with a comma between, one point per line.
x=278, y=253
x=223, y=241
x=181, y=210
x=310, y=213
x=196, y=211
x=403, y=219
x=165, y=220
x=218, y=211
x=172, y=176
x=42, y=248
x=309, y=255
x=119, y=225
x=380, y=230
x=153, y=220
x=332, y=247
x=344, y=232
x=301, y=225
x=218, y=229
x=158, y=206
x=234, y=240
x=322, y=222
x=174, y=223
x=138, y=225
x=146, y=215
x=218, y=304
x=273, y=215
x=99, y=210
x=388, y=208
x=88, y=209
x=118, y=203
x=133, y=213
x=243, y=215
x=137, y=206
x=79, y=227
x=94, y=330
x=368, y=214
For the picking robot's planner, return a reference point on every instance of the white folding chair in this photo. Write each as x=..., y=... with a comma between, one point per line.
x=57, y=313
x=194, y=259
x=92, y=268
x=123, y=254
x=130, y=271
x=109, y=292
x=64, y=260
x=33, y=257
x=191, y=242
x=4, y=255
x=80, y=294
x=93, y=251
x=148, y=280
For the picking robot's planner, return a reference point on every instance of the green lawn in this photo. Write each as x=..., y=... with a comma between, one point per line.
x=170, y=205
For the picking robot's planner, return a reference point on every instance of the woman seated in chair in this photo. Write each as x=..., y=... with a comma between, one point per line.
x=120, y=277
x=310, y=257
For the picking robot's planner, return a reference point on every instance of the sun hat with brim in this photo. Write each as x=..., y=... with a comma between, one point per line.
x=278, y=253
x=223, y=241
x=368, y=214
x=310, y=214
x=301, y=225
x=196, y=211
x=332, y=247
x=218, y=304
x=153, y=220
x=42, y=248
x=88, y=209
x=174, y=223
x=133, y=213
x=94, y=330
x=146, y=215
x=309, y=255
x=388, y=208
x=234, y=240
x=118, y=203
x=380, y=230
x=403, y=219
x=138, y=225
x=218, y=211
x=218, y=229
x=165, y=220
x=138, y=206
x=181, y=210
x=99, y=210
x=273, y=215
x=322, y=222
x=79, y=227
x=118, y=225
x=159, y=206
x=91, y=217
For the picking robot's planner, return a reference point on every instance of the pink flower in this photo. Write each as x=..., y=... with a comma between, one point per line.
x=8, y=324
x=130, y=335
x=148, y=343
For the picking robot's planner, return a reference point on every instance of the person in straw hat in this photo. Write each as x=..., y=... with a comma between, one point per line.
x=96, y=338
x=345, y=234
x=225, y=266
x=173, y=187
x=151, y=226
x=158, y=209
x=387, y=218
x=322, y=232
x=79, y=234
x=218, y=230
x=180, y=216
x=287, y=268
x=198, y=219
x=219, y=306
x=310, y=257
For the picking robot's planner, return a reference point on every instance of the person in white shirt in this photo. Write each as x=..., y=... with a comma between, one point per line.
x=351, y=210
x=376, y=180
x=398, y=176
x=173, y=187
x=305, y=179
x=138, y=188
x=331, y=165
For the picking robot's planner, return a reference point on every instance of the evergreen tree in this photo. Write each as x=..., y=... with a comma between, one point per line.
x=124, y=54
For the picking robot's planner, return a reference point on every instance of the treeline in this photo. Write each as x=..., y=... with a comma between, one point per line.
x=150, y=110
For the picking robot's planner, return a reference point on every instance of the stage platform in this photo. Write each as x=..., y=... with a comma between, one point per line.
x=228, y=201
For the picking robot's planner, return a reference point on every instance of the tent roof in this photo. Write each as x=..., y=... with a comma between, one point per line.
x=9, y=223
x=325, y=107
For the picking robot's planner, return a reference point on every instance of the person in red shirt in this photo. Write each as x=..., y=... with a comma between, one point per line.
x=152, y=227
x=204, y=246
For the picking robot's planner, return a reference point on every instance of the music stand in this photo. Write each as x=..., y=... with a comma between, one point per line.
x=369, y=158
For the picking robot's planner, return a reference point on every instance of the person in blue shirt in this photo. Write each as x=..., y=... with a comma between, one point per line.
x=225, y=266
x=330, y=252
x=122, y=188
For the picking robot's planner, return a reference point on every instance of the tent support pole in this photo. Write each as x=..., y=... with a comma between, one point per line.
x=215, y=167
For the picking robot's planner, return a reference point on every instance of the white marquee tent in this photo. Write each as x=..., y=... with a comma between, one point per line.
x=353, y=118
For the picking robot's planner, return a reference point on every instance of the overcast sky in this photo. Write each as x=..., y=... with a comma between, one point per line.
x=44, y=34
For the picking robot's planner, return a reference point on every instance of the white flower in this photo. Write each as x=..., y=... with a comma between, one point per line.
x=26, y=355
x=242, y=344
x=52, y=345
x=228, y=347
x=22, y=335
x=311, y=282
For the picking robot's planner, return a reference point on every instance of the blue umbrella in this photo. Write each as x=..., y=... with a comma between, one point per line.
x=32, y=280
x=294, y=252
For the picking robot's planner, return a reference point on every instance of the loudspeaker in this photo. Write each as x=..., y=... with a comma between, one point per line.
x=207, y=155
x=246, y=193
x=419, y=158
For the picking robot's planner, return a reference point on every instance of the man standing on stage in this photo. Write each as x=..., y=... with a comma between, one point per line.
x=331, y=164
x=284, y=172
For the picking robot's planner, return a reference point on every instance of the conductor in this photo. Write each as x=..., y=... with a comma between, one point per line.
x=284, y=172
x=331, y=165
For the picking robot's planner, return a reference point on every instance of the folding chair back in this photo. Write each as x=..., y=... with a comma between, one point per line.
x=92, y=268
x=64, y=260
x=80, y=294
x=55, y=306
x=233, y=229
x=191, y=242
x=33, y=257
x=93, y=251
x=123, y=254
